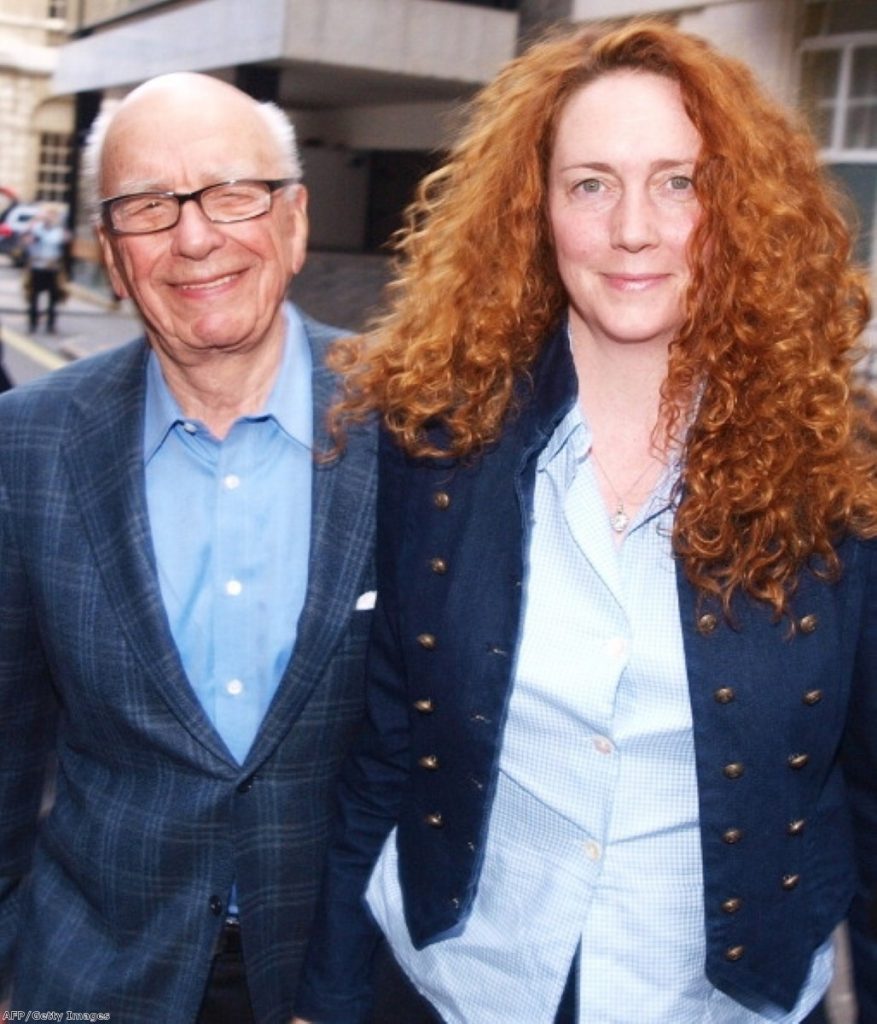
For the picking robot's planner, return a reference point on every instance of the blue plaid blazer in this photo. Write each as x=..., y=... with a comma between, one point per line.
x=115, y=900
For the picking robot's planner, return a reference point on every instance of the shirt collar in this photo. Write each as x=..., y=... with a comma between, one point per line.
x=290, y=403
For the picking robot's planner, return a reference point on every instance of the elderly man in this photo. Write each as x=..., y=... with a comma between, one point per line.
x=184, y=593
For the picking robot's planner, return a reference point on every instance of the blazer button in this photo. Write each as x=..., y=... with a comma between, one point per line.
x=798, y=761
x=428, y=761
x=724, y=695
x=426, y=641
x=812, y=697
x=734, y=953
x=438, y=565
x=246, y=785
x=808, y=623
x=733, y=770
x=434, y=820
x=425, y=706
x=215, y=905
x=790, y=882
x=732, y=904
x=732, y=836
x=441, y=499
x=796, y=827
x=707, y=623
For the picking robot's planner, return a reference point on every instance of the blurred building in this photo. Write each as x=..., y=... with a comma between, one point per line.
x=36, y=126
x=372, y=84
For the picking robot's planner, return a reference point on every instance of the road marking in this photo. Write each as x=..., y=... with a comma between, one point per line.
x=40, y=355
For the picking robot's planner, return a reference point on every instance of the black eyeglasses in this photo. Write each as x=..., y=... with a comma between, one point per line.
x=224, y=203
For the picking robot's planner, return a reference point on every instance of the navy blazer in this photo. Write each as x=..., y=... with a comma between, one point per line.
x=114, y=903
x=779, y=709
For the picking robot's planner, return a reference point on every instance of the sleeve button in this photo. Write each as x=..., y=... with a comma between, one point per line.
x=427, y=641
x=441, y=499
x=734, y=953
x=798, y=761
x=733, y=770
x=724, y=695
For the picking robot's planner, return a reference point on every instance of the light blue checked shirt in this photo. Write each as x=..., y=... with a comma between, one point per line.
x=594, y=840
x=230, y=525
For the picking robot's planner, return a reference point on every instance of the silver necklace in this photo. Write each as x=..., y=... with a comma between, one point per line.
x=619, y=520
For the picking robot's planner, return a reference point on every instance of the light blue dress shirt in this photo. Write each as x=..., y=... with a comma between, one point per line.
x=594, y=840
x=230, y=524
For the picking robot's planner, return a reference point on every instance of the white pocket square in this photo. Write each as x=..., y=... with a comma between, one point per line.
x=365, y=602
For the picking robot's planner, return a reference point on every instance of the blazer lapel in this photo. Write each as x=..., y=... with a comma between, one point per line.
x=104, y=454
x=342, y=537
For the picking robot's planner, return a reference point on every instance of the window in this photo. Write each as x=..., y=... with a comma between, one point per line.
x=53, y=173
x=839, y=84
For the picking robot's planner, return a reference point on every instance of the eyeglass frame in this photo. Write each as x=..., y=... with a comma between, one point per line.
x=183, y=197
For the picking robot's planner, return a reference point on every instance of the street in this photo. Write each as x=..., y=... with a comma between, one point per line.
x=86, y=323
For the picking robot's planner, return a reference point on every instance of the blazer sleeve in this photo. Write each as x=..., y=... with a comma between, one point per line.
x=336, y=985
x=27, y=722
x=860, y=765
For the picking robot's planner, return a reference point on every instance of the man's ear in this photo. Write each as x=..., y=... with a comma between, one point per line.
x=111, y=262
x=297, y=226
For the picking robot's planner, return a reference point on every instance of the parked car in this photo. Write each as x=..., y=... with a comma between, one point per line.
x=13, y=226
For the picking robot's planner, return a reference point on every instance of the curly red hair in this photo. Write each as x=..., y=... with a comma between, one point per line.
x=776, y=467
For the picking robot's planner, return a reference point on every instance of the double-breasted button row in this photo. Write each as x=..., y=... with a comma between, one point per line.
x=438, y=565
x=734, y=953
x=724, y=695
x=798, y=761
x=812, y=697
x=707, y=623
x=429, y=761
x=435, y=820
x=808, y=623
x=425, y=706
x=733, y=770
x=441, y=500
x=427, y=641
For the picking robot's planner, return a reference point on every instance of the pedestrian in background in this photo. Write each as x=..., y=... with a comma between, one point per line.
x=184, y=594
x=621, y=755
x=45, y=245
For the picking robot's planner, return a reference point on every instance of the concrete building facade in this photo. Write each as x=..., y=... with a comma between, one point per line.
x=36, y=125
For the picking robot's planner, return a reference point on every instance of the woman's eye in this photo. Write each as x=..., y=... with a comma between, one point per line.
x=680, y=182
x=589, y=185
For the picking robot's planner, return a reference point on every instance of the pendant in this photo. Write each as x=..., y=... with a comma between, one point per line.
x=619, y=521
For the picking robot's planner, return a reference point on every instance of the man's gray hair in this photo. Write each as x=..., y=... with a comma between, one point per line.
x=278, y=124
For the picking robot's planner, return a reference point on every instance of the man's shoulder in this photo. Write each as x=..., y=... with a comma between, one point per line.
x=94, y=379
x=320, y=336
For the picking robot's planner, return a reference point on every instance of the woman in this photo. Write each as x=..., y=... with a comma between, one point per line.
x=623, y=671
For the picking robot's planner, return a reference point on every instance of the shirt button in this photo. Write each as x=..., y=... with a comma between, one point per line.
x=190, y=428
x=616, y=646
x=233, y=588
x=592, y=850
x=235, y=687
x=231, y=481
x=603, y=745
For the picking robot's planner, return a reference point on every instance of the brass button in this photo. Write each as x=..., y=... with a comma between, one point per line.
x=808, y=623
x=812, y=697
x=734, y=953
x=732, y=835
x=441, y=499
x=425, y=706
x=732, y=905
x=438, y=565
x=426, y=641
x=707, y=623
x=435, y=820
x=796, y=827
x=428, y=761
x=790, y=882
x=798, y=761
x=733, y=770
x=724, y=695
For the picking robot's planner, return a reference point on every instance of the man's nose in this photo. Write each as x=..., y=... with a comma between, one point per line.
x=194, y=233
